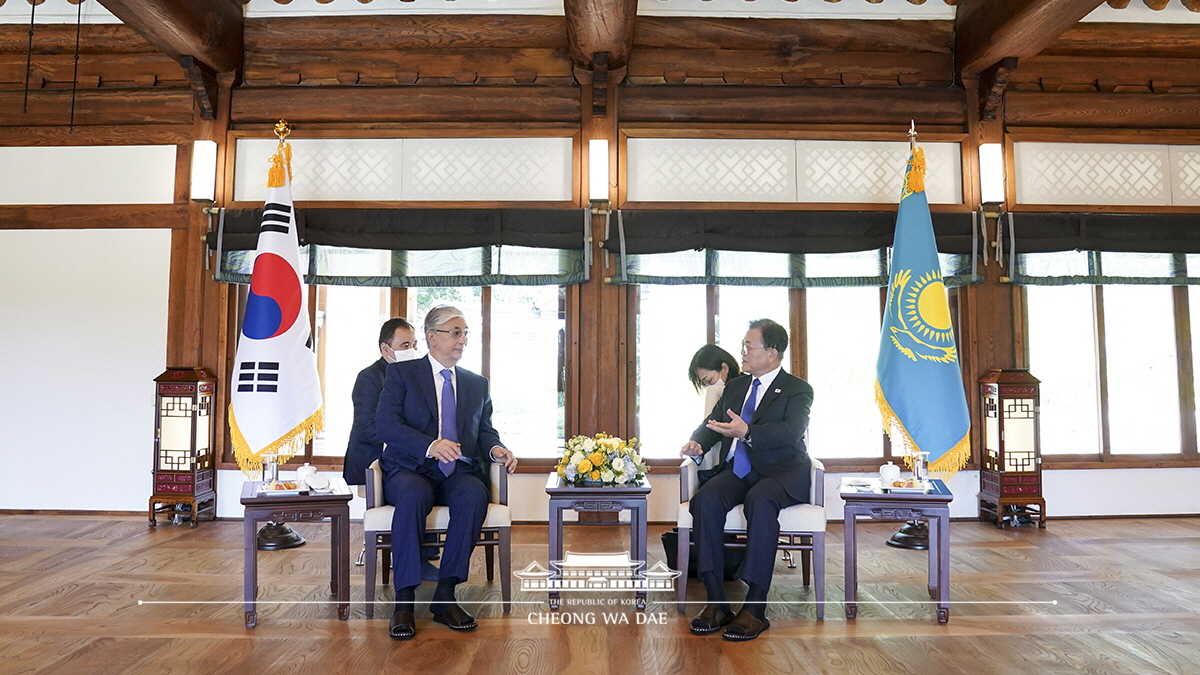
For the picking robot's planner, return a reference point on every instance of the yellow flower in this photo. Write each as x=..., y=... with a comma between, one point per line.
x=584, y=466
x=596, y=459
x=595, y=475
x=562, y=471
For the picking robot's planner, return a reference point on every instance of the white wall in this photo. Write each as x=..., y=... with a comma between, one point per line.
x=83, y=334
x=116, y=174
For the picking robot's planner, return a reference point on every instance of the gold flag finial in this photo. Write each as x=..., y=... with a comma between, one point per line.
x=281, y=161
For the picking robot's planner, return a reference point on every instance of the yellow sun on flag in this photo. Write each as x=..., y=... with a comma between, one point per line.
x=926, y=310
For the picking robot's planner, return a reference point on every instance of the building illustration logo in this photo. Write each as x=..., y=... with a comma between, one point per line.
x=597, y=572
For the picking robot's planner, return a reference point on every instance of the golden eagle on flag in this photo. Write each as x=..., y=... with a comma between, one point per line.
x=918, y=384
x=275, y=399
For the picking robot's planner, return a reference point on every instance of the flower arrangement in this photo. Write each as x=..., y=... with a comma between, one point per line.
x=601, y=460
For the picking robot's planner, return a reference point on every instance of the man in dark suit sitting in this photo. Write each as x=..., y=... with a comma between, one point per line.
x=763, y=465
x=436, y=422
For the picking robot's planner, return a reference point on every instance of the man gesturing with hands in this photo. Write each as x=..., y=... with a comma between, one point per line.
x=436, y=421
x=758, y=427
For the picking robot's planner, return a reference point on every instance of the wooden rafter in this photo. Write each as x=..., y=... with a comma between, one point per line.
x=210, y=32
x=990, y=30
x=596, y=26
x=992, y=83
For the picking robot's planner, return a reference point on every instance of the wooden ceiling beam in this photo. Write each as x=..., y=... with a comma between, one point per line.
x=600, y=26
x=210, y=31
x=987, y=31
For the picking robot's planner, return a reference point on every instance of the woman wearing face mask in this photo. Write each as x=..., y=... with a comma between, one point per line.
x=710, y=369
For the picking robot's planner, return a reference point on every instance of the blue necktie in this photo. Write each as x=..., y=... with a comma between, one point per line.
x=741, y=459
x=449, y=417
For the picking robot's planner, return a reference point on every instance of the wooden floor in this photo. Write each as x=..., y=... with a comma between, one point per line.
x=78, y=594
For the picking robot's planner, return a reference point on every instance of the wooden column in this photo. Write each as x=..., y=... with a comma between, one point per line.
x=605, y=359
x=987, y=317
x=198, y=315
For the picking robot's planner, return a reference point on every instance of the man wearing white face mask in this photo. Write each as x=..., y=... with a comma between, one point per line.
x=397, y=342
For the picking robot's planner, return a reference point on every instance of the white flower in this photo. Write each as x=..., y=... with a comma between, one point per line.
x=569, y=472
x=589, y=445
x=606, y=476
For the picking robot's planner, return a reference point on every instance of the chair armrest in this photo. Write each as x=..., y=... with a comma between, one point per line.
x=689, y=480
x=818, y=483
x=499, y=480
x=374, y=485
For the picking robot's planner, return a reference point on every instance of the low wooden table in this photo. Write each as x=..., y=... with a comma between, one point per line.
x=295, y=509
x=933, y=507
x=598, y=500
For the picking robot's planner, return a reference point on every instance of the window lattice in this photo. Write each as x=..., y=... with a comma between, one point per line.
x=1185, y=167
x=759, y=170
x=379, y=169
x=323, y=169
x=1095, y=173
x=477, y=169
x=676, y=169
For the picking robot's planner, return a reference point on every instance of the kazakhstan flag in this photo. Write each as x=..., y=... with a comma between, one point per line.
x=918, y=385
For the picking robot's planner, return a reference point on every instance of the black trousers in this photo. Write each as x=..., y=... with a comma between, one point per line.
x=414, y=496
x=763, y=498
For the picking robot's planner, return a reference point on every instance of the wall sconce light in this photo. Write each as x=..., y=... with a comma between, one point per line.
x=204, y=171
x=598, y=170
x=991, y=172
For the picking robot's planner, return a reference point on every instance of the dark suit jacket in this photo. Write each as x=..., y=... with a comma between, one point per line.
x=776, y=447
x=407, y=419
x=365, y=445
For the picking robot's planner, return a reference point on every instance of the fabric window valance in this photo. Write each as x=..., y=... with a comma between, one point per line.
x=795, y=249
x=418, y=247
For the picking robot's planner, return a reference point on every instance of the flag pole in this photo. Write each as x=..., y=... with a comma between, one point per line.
x=914, y=534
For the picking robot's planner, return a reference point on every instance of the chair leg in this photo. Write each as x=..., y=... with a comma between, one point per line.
x=818, y=555
x=369, y=547
x=386, y=556
x=805, y=559
x=681, y=562
x=505, y=569
x=488, y=560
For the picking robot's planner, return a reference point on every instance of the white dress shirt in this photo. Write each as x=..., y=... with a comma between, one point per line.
x=438, y=383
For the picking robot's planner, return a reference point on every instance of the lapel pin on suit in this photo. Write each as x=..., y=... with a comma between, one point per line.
x=778, y=391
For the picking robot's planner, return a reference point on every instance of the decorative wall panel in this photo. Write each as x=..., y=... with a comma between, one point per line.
x=1185, y=175
x=485, y=169
x=873, y=171
x=743, y=170
x=1093, y=174
x=711, y=170
x=323, y=169
x=436, y=169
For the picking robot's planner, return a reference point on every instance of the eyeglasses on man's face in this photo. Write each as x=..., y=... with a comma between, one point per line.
x=456, y=333
x=747, y=347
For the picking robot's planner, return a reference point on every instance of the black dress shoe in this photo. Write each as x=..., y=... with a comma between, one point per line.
x=709, y=620
x=402, y=626
x=745, y=626
x=454, y=616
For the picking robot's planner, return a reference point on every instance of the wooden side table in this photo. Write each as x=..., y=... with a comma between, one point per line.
x=296, y=509
x=598, y=500
x=933, y=507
